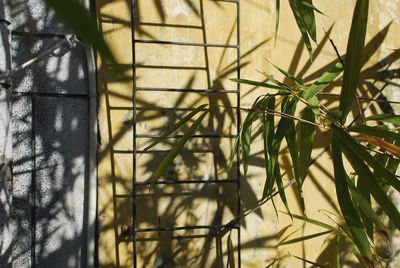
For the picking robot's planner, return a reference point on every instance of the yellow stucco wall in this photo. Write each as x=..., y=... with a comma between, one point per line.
x=207, y=158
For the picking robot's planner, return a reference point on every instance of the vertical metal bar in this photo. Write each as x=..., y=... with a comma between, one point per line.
x=33, y=185
x=238, y=129
x=134, y=134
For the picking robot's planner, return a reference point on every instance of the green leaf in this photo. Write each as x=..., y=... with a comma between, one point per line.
x=258, y=84
x=268, y=135
x=314, y=222
x=176, y=126
x=303, y=238
x=305, y=20
x=325, y=80
x=234, y=148
x=290, y=76
x=389, y=118
x=306, y=141
x=378, y=131
x=356, y=155
x=246, y=131
x=354, y=57
x=363, y=187
x=281, y=188
x=177, y=148
x=314, y=105
x=379, y=168
x=80, y=20
x=365, y=205
x=350, y=214
x=283, y=126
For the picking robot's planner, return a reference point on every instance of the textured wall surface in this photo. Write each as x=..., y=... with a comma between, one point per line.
x=189, y=67
x=50, y=143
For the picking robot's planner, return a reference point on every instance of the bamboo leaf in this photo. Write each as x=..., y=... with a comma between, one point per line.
x=305, y=20
x=176, y=126
x=303, y=238
x=283, y=126
x=306, y=141
x=365, y=205
x=268, y=133
x=363, y=188
x=314, y=105
x=290, y=76
x=246, y=131
x=356, y=157
x=177, y=148
x=281, y=188
x=378, y=131
x=350, y=214
x=389, y=118
x=314, y=222
x=354, y=57
x=258, y=84
x=336, y=252
x=234, y=148
x=379, y=168
x=325, y=80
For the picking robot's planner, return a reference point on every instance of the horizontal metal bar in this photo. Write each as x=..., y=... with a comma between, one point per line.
x=161, y=229
x=53, y=95
x=180, y=136
x=38, y=35
x=120, y=108
x=184, y=43
x=186, y=90
x=170, y=25
x=184, y=182
x=144, y=66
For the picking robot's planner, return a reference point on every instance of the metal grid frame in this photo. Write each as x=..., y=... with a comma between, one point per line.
x=235, y=224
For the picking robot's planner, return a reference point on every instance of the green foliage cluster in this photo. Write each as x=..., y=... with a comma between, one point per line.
x=374, y=166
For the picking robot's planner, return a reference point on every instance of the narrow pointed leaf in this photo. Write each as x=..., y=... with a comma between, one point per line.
x=176, y=126
x=356, y=160
x=234, y=149
x=290, y=76
x=380, y=170
x=305, y=20
x=365, y=206
x=336, y=252
x=177, y=148
x=303, y=238
x=314, y=105
x=350, y=214
x=231, y=256
x=363, y=188
x=389, y=118
x=306, y=141
x=314, y=222
x=281, y=188
x=325, y=80
x=258, y=84
x=354, y=57
x=378, y=131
